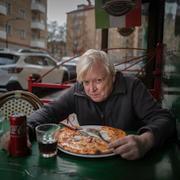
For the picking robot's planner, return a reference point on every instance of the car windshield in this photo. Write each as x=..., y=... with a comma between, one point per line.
x=6, y=59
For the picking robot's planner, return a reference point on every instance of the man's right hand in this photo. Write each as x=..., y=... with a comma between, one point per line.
x=4, y=141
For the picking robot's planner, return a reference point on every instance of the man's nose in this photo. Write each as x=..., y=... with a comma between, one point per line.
x=92, y=86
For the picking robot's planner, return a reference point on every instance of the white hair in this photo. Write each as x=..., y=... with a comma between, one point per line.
x=91, y=57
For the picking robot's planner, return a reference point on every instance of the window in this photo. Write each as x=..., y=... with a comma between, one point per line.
x=35, y=60
x=40, y=60
x=38, y=1
x=21, y=33
x=49, y=61
x=8, y=5
x=8, y=59
x=22, y=13
x=8, y=29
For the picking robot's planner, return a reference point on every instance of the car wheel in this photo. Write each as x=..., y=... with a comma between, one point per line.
x=13, y=85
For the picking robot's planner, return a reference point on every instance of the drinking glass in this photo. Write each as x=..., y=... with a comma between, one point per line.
x=47, y=142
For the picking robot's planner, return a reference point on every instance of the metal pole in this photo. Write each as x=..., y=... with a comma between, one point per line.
x=104, y=40
x=155, y=35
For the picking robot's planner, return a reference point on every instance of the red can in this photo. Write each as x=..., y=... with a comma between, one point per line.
x=18, y=135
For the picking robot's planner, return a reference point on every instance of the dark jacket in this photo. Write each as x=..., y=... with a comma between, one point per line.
x=130, y=107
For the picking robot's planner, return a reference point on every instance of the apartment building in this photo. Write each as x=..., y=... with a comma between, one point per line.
x=81, y=31
x=23, y=24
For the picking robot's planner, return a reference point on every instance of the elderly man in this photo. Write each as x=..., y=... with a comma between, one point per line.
x=105, y=97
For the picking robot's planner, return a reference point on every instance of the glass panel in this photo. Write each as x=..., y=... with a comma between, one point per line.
x=171, y=76
x=8, y=59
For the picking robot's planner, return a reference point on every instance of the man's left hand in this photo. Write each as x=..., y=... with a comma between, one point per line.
x=133, y=147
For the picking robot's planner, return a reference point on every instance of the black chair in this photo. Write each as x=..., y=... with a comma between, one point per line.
x=19, y=101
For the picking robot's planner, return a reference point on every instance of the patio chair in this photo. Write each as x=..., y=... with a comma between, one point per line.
x=18, y=101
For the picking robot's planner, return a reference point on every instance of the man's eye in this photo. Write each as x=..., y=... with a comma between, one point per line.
x=99, y=80
x=85, y=82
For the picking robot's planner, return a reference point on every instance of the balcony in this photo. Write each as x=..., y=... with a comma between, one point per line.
x=36, y=6
x=3, y=9
x=38, y=43
x=38, y=25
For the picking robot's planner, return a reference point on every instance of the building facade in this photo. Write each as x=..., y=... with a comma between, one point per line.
x=23, y=24
x=82, y=35
x=81, y=32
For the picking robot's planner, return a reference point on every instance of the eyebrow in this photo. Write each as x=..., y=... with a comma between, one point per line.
x=102, y=77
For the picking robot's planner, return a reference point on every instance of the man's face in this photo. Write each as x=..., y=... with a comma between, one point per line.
x=97, y=83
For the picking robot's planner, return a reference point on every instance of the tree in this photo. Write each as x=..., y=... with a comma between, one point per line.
x=56, y=32
x=57, y=39
x=61, y=33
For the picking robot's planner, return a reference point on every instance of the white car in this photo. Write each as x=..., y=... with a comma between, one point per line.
x=17, y=65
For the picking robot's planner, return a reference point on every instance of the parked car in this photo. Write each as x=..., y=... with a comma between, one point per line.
x=130, y=67
x=71, y=66
x=17, y=65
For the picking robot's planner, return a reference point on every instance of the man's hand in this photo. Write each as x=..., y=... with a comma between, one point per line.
x=133, y=147
x=5, y=140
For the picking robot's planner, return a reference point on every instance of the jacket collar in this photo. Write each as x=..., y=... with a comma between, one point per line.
x=119, y=84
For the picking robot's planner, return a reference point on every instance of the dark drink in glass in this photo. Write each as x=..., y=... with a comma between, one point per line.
x=48, y=148
x=47, y=142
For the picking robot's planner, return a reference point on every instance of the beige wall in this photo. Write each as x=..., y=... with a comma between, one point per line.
x=22, y=34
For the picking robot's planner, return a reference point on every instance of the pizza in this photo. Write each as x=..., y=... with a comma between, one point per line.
x=88, y=140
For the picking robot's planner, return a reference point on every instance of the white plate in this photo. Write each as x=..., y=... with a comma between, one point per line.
x=87, y=155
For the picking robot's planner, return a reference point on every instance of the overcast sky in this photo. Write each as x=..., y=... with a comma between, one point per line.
x=57, y=9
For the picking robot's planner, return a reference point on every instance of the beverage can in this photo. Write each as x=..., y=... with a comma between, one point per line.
x=18, y=135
